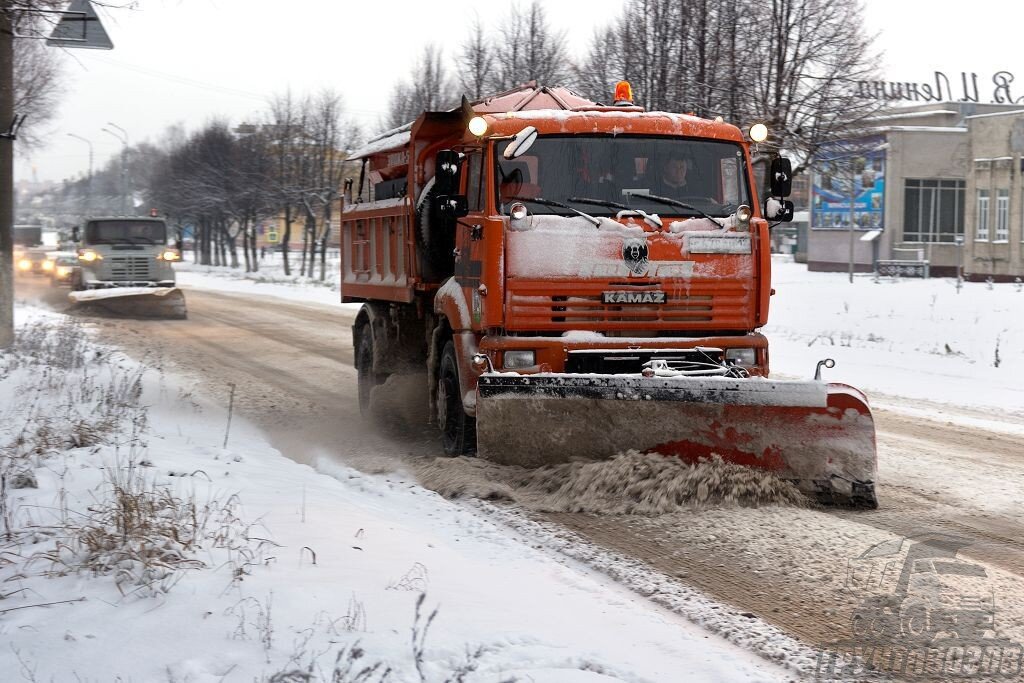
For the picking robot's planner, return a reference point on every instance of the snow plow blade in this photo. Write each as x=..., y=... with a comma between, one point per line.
x=134, y=302
x=820, y=436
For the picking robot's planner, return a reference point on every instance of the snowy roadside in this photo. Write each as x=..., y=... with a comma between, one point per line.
x=904, y=341
x=135, y=545
x=270, y=280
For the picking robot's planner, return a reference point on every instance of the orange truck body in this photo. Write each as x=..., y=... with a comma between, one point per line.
x=562, y=289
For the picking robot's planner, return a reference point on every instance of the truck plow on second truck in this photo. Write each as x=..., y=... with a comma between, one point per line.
x=134, y=302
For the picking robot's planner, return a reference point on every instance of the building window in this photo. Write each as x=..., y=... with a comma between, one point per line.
x=1002, y=215
x=982, y=233
x=933, y=210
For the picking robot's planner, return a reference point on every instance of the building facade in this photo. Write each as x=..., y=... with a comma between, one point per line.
x=909, y=188
x=994, y=240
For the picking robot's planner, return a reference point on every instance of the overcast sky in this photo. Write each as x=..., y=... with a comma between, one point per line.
x=186, y=61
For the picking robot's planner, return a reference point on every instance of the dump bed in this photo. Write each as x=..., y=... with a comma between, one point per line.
x=377, y=251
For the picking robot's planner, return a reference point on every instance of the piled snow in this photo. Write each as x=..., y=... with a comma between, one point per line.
x=269, y=280
x=912, y=338
x=272, y=570
x=630, y=483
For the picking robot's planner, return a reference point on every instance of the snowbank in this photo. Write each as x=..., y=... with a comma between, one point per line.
x=909, y=338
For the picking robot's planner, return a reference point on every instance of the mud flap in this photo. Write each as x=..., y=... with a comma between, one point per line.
x=134, y=302
x=821, y=436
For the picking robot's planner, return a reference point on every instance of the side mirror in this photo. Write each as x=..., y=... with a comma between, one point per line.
x=74, y=234
x=446, y=171
x=523, y=140
x=781, y=175
x=452, y=206
x=779, y=210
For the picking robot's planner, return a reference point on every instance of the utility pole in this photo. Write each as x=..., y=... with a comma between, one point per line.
x=88, y=180
x=79, y=27
x=853, y=214
x=6, y=175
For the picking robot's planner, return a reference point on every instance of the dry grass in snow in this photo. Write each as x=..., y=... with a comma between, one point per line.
x=71, y=404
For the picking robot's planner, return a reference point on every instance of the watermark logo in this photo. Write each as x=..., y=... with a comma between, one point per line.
x=923, y=613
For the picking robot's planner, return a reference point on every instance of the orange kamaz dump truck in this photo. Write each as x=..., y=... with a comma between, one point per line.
x=571, y=279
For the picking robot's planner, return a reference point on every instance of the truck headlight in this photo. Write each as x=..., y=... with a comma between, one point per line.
x=515, y=360
x=63, y=271
x=168, y=255
x=25, y=264
x=743, y=357
x=47, y=265
x=88, y=255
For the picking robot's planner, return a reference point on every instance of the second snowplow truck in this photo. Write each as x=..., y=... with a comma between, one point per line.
x=576, y=280
x=125, y=267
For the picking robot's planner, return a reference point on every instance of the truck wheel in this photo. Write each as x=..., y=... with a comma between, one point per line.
x=367, y=378
x=458, y=430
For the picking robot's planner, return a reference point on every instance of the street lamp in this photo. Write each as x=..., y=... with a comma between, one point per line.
x=88, y=181
x=122, y=136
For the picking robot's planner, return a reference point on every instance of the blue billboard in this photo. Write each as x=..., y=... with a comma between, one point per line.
x=831, y=191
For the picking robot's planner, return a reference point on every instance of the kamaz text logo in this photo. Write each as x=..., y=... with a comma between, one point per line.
x=656, y=297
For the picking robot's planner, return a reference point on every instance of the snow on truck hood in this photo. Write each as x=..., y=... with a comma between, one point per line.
x=545, y=246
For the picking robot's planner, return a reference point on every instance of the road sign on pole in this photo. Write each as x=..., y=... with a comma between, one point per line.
x=80, y=27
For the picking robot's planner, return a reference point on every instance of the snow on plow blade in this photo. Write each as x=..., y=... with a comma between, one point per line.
x=134, y=302
x=820, y=436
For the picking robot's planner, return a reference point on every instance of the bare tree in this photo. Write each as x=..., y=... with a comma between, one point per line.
x=430, y=89
x=38, y=87
x=528, y=49
x=810, y=53
x=285, y=128
x=475, y=61
x=787, y=63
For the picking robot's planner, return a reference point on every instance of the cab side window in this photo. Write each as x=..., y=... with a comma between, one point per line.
x=474, y=181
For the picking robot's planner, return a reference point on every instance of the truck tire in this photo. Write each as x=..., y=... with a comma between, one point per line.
x=458, y=430
x=367, y=379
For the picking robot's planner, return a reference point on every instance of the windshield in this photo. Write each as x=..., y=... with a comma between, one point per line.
x=710, y=176
x=126, y=232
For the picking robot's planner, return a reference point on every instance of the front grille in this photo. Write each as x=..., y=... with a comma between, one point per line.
x=719, y=307
x=131, y=267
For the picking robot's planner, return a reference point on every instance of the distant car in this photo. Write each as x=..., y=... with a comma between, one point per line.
x=64, y=265
x=31, y=261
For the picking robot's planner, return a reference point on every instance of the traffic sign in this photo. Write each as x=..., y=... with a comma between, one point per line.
x=80, y=27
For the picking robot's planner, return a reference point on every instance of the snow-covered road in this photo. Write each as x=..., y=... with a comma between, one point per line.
x=758, y=574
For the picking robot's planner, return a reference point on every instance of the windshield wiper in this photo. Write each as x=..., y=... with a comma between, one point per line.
x=672, y=202
x=558, y=205
x=650, y=218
